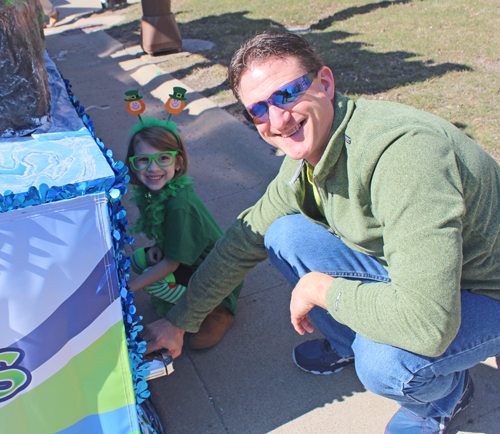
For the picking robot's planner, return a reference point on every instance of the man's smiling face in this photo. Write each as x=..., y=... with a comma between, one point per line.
x=303, y=131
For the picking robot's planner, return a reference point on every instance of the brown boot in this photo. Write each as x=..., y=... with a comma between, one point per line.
x=212, y=329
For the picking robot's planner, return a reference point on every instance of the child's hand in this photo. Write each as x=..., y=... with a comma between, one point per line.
x=154, y=255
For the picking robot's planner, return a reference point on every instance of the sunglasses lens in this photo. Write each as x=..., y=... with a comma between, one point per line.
x=259, y=110
x=285, y=97
x=289, y=95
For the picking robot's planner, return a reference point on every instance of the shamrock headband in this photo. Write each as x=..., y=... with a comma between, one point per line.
x=174, y=105
x=148, y=122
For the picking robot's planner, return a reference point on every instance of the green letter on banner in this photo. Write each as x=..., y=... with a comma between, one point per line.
x=13, y=378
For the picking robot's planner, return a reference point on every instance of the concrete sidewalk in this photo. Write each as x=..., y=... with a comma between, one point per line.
x=247, y=383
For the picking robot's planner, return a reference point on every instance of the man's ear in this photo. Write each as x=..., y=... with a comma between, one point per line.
x=325, y=77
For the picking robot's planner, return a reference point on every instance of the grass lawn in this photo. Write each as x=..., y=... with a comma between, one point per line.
x=442, y=56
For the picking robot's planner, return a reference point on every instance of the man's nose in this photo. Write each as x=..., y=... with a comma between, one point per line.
x=278, y=117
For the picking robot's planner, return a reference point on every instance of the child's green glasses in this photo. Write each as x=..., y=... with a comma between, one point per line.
x=163, y=159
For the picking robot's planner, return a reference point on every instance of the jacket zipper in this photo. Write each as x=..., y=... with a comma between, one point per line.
x=323, y=202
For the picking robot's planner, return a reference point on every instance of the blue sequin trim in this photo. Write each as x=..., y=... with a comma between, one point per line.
x=114, y=188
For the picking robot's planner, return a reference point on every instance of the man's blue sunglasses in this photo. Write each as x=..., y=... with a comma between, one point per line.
x=285, y=97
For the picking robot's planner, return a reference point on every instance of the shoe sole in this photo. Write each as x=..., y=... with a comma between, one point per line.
x=324, y=372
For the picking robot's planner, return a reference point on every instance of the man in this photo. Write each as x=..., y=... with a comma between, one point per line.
x=383, y=218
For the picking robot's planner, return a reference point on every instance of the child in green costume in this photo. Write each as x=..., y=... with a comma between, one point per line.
x=173, y=215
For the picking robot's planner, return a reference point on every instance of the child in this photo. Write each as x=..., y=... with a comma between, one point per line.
x=173, y=215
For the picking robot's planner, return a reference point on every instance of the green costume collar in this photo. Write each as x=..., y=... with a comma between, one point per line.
x=152, y=207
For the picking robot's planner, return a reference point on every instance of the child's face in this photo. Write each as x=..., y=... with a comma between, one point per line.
x=154, y=177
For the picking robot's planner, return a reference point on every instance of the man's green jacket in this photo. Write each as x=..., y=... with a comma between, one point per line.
x=396, y=183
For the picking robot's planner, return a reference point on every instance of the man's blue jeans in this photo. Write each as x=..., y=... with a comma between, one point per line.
x=427, y=386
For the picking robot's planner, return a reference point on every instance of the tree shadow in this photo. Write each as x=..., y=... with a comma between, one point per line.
x=353, y=11
x=358, y=69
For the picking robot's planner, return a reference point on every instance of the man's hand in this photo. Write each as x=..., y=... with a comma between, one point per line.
x=310, y=291
x=163, y=334
x=154, y=255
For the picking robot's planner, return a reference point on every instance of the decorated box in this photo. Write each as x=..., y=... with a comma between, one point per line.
x=70, y=353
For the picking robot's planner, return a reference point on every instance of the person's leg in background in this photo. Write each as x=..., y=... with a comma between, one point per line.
x=50, y=11
x=106, y=4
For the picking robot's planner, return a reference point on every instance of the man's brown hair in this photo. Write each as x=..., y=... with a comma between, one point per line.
x=268, y=45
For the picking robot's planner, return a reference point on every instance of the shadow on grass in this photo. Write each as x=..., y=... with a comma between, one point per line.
x=357, y=68
x=353, y=11
x=361, y=71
